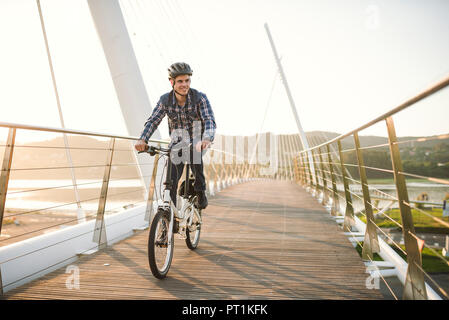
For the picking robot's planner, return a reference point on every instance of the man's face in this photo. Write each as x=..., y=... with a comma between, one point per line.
x=181, y=84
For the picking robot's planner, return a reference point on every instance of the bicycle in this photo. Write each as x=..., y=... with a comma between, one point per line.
x=169, y=220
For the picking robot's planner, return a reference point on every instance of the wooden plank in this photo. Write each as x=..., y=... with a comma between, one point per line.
x=260, y=240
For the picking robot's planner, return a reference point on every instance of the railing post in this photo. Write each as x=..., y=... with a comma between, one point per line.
x=100, y=229
x=286, y=162
x=310, y=172
x=250, y=159
x=224, y=180
x=222, y=171
x=6, y=169
x=296, y=150
x=300, y=166
x=256, y=157
x=234, y=159
x=292, y=148
x=215, y=171
x=234, y=163
x=304, y=172
x=335, y=201
x=281, y=158
x=296, y=171
x=317, y=185
x=371, y=242
x=149, y=210
x=349, y=211
x=414, y=287
x=268, y=151
x=289, y=156
x=209, y=172
x=4, y=180
x=325, y=191
x=245, y=158
x=240, y=164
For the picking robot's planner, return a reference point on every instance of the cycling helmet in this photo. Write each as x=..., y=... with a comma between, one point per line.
x=179, y=68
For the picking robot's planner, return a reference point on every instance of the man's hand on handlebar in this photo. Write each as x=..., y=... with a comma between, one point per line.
x=141, y=145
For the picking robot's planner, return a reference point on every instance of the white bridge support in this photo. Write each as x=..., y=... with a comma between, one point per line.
x=125, y=72
x=302, y=134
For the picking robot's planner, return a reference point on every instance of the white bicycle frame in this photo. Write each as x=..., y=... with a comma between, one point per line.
x=184, y=215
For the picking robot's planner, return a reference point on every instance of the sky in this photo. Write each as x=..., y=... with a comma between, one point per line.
x=346, y=62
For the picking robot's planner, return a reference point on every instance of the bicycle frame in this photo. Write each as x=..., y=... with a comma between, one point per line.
x=181, y=221
x=167, y=204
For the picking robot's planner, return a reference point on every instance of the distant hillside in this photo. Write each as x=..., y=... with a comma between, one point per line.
x=318, y=137
x=426, y=156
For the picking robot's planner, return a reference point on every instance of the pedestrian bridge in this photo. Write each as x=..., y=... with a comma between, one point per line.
x=282, y=222
x=262, y=239
x=285, y=214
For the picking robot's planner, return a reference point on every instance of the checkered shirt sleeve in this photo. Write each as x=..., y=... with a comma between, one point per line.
x=208, y=118
x=153, y=121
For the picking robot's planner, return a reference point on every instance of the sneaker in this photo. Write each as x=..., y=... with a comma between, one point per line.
x=202, y=200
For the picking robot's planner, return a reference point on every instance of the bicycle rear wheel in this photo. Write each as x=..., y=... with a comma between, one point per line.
x=160, y=250
x=193, y=231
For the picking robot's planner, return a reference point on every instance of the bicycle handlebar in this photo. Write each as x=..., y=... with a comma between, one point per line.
x=152, y=150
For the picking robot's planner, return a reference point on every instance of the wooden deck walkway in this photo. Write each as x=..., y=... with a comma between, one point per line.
x=260, y=240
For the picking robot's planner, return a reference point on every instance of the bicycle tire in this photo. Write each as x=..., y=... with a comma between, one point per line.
x=193, y=238
x=160, y=223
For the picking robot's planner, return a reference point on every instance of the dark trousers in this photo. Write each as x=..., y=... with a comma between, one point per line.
x=196, y=169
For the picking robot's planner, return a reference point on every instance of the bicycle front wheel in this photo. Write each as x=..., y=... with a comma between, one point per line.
x=160, y=249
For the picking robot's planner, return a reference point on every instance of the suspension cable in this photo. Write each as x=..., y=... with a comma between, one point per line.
x=58, y=103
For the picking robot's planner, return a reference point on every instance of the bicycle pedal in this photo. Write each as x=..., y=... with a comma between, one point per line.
x=182, y=233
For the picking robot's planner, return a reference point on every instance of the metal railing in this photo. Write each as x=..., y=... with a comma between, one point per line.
x=337, y=190
x=219, y=173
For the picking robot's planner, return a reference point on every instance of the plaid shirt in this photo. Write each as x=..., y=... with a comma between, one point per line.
x=182, y=117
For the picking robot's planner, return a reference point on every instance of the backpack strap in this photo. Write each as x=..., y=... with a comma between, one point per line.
x=170, y=98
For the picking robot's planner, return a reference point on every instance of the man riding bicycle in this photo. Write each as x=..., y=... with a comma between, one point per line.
x=191, y=123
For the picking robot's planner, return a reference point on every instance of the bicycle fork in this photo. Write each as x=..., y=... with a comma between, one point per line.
x=167, y=203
